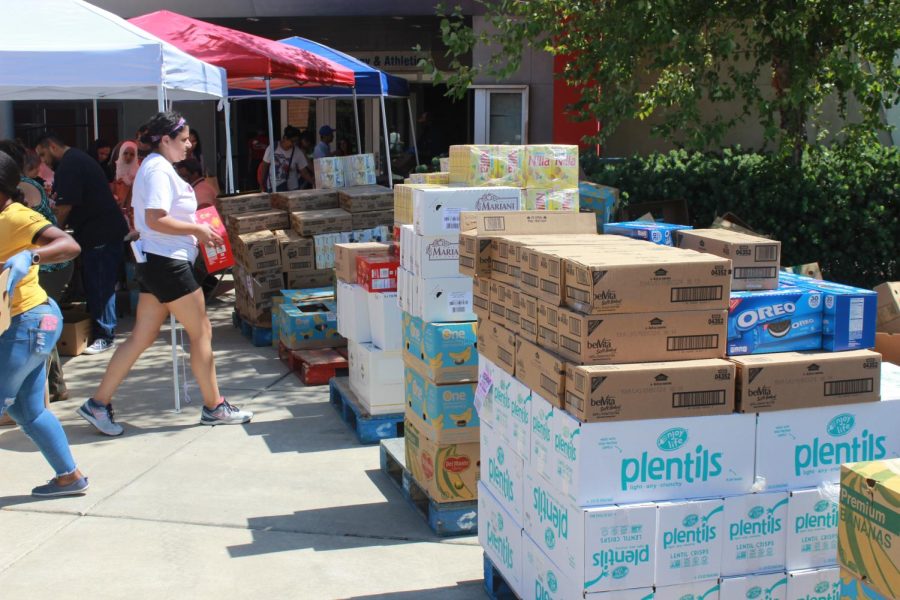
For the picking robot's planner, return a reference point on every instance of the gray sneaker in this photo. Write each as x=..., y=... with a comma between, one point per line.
x=99, y=345
x=100, y=416
x=225, y=414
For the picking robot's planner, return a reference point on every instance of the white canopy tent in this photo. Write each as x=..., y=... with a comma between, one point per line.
x=81, y=52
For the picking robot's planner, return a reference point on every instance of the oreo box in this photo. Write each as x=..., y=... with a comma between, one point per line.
x=848, y=313
x=784, y=320
x=650, y=231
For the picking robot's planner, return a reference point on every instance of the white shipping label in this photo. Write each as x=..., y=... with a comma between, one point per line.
x=459, y=302
x=451, y=218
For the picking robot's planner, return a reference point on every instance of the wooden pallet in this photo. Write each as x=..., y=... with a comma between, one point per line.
x=495, y=585
x=445, y=518
x=259, y=336
x=369, y=429
x=318, y=367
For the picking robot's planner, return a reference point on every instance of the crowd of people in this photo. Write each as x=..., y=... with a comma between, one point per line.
x=159, y=178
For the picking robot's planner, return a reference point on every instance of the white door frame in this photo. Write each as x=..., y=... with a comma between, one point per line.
x=482, y=120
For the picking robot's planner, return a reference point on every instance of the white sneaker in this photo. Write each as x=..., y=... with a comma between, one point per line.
x=225, y=414
x=99, y=345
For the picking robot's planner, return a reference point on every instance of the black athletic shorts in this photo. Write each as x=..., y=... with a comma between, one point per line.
x=166, y=278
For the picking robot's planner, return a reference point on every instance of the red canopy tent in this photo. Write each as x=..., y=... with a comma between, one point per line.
x=251, y=62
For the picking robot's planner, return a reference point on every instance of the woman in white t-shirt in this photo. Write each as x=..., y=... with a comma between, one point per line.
x=164, y=207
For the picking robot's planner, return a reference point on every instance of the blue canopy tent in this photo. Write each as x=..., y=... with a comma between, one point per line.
x=370, y=83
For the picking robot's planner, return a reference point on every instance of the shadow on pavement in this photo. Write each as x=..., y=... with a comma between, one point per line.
x=464, y=590
x=313, y=427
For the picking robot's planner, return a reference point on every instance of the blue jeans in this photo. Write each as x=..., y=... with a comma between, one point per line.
x=100, y=272
x=24, y=349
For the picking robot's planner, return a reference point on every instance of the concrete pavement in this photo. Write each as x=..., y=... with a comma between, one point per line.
x=287, y=506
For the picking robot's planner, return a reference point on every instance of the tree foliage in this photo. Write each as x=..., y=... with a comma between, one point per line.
x=669, y=61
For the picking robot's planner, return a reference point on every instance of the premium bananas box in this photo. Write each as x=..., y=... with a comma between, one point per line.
x=504, y=472
x=854, y=588
x=755, y=260
x=650, y=390
x=551, y=166
x=754, y=532
x=790, y=380
x=806, y=447
x=487, y=165
x=500, y=534
x=870, y=522
x=638, y=461
x=688, y=541
x=765, y=586
x=550, y=199
x=449, y=472
x=446, y=413
x=444, y=352
x=587, y=543
x=812, y=528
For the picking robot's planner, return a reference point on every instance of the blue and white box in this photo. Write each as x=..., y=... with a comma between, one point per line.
x=812, y=528
x=542, y=579
x=783, y=320
x=649, y=231
x=761, y=586
x=502, y=472
x=814, y=584
x=699, y=590
x=688, y=541
x=501, y=537
x=755, y=533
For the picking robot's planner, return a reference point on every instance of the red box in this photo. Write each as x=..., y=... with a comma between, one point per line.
x=317, y=367
x=216, y=257
x=377, y=273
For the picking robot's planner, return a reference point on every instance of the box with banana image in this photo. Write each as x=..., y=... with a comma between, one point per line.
x=448, y=471
x=447, y=412
x=444, y=352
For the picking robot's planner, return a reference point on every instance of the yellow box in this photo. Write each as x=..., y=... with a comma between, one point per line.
x=854, y=588
x=447, y=472
x=548, y=199
x=403, y=204
x=488, y=165
x=868, y=544
x=551, y=166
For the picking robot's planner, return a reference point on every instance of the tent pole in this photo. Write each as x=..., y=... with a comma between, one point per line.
x=412, y=129
x=161, y=105
x=356, y=118
x=271, y=132
x=387, y=144
x=96, y=120
x=229, y=166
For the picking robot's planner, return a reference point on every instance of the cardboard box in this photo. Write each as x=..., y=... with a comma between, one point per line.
x=437, y=210
x=376, y=376
x=474, y=255
x=228, y=205
x=487, y=165
x=648, y=231
x=218, y=257
x=345, y=257
x=258, y=221
x=315, y=222
x=499, y=345
x=385, y=320
x=688, y=541
x=754, y=260
x=309, y=325
x=444, y=352
x=445, y=413
x=755, y=533
x=403, y=202
x=500, y=534
x=543, y=580
x=353, y=312
x=366, y=198
x=551, y=166
x=599, y=199
x=481, y=298
x=888, y=345
x=889, y=307
x=504, y=475
x=435, y=255
x=485, y=222
x=869, y=500
x=806, y=447
x=258, y=251
x=76, y=330
x=548, y=325
x=601, y=282
x=812, y=528
x=650, y=390
x=309, y=280
x=854, y=588
x=639, y=337
x=444, y=299
x=541, y=371
x=263, y=284
x=528, y=317
x=377, y=273
x=511, y=410
x=296, y=252
x=790, y=380
x=815, y=583
x=438, y=177
x=784, y=320
x=587, y=543
x=368, y=220
x=501, y=297
x=638, y=461
x=766, y=586
x=299, y=200
x=708, y=590
x=547, y=199
x=448, y=472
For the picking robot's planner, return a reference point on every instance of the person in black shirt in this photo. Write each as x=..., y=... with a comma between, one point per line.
x=85, y=203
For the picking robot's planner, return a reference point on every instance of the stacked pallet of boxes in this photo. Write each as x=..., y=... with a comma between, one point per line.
x=887, y=336
x=625, y=478
x=369, y=317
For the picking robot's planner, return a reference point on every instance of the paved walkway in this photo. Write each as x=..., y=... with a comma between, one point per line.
x=288, y=506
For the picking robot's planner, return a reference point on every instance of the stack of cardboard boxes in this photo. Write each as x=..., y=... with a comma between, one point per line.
x=344, y=171
x=615, y=465
x=369, y=317
x=887, y=336
x=305, y=320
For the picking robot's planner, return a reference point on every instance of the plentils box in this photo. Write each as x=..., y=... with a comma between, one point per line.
x=542, y=579
x=502, y=472
x=512, y=410
x=500, y=534
x=601, y=549
x=765, y=586
x=650, y=390
x=789, y=380
x=754, y=533
x=783, y=320
x=812, y=528
x=688, y=541
x=651, y=460
x=806, y=447
x=705, y=590
x=812, y=584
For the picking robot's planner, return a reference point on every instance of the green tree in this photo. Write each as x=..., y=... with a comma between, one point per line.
x=777, y=61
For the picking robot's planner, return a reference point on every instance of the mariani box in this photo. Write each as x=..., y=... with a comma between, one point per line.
x=449, y=472
x=437, y=210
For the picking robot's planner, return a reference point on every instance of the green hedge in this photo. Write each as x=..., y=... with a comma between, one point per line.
x=841, y=208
